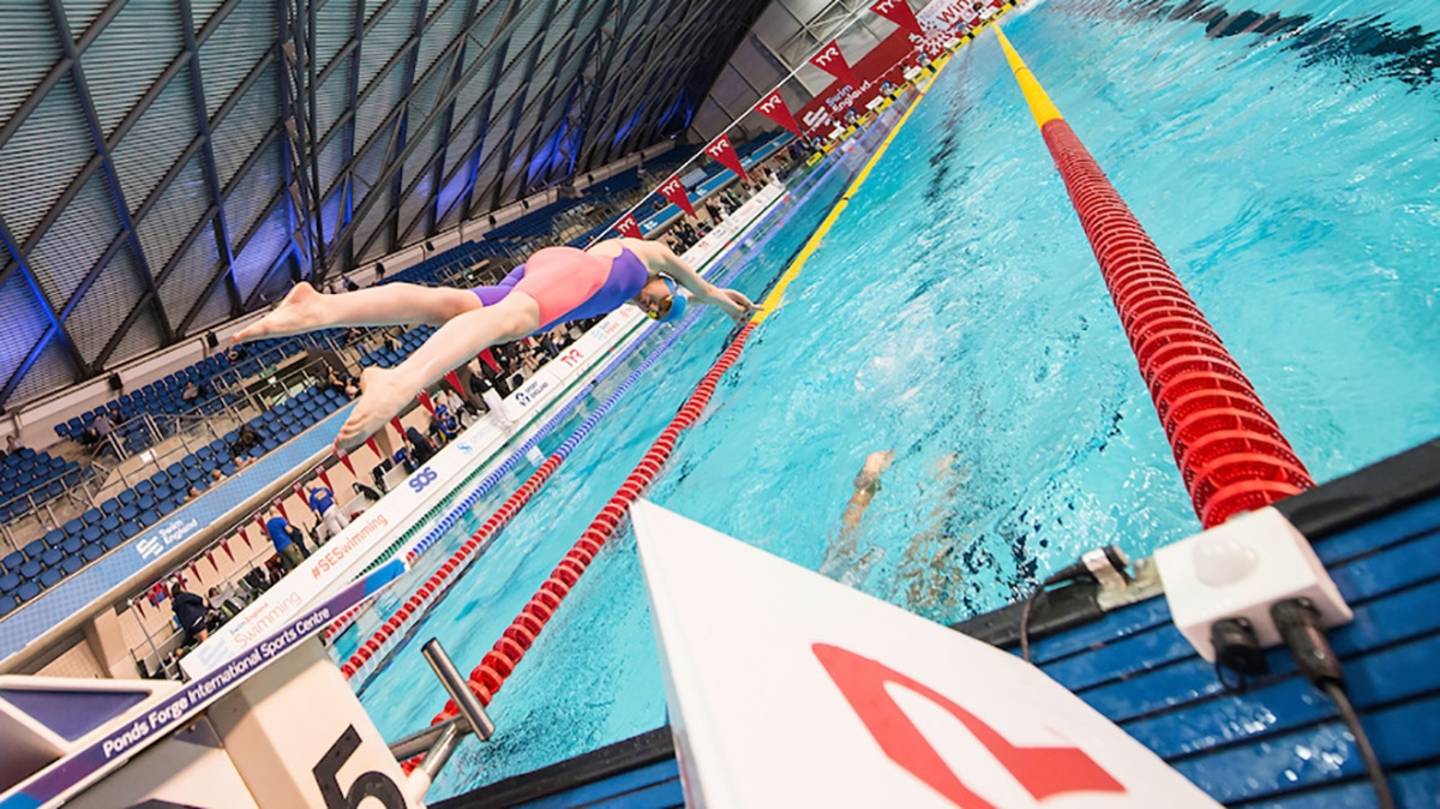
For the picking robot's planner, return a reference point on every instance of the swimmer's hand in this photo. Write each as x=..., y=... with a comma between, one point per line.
x=735, y=304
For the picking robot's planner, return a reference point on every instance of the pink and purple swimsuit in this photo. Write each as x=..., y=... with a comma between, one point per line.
x=571, y=284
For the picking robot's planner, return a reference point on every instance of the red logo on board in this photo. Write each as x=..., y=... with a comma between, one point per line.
x=1042, y=771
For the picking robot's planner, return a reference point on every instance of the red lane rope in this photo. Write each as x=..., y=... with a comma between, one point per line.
x=1230, y=451
x=487, y=678
x=436, y=583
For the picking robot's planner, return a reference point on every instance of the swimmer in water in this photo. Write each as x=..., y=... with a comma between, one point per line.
x=556, y=285
x=837, y=563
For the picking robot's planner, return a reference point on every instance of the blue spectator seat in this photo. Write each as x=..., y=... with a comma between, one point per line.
x=7, y=605
x=146, y=503
x=54, y=537
x=91, y=516
x=51, y=557
x=110, y=523
x=112, y=540
x=74, y=527
x=30, y=569
x=50, y=577
x=34, y=549
x=27, y=591
x=128, y=497
x=13, y=561
x=134, y=528
x=92, y=533
x=9, y=582
x=148, y=517
x=71, y=545
x=70, y=564
x=110, y=506
x=129, y=512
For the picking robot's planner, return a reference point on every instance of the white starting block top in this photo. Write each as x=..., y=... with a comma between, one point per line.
x=61, y=738
x=788, y=689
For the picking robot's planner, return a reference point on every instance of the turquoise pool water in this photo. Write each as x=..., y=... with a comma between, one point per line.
x=1287, y=165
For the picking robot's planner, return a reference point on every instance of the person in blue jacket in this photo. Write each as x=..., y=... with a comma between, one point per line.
x=332, y=518
x=289, y=542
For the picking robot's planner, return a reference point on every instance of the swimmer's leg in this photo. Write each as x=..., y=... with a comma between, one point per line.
x=384, y=392
x=305, y=309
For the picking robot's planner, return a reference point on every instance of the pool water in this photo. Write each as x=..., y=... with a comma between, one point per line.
x=1287, y=165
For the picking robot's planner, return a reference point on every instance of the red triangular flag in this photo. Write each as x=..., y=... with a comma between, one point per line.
x=140, y=607
x=488, y=357
x=299, y=490
x=454, y=380
x=723, y=152
x=225, y=546
x=399, y=428
x=900, y=13
x=260, y=521
x=325, y=479
x=674, y=190
x=832, y=61
x=210, y=557
x=374, y=447
x=280, y=507
x=245, y=535
x=426, y=403
x=194, y=572
x=628, y=227
x=345, y=459
x=774, y=107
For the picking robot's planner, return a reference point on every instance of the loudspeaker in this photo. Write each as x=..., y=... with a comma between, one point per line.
x=115, y=382
x=211, y=340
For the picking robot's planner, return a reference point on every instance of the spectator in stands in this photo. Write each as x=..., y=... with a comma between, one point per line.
x=288, y=541
x=379, y=275
x=12, y=444
x=444, y=426
x=421, y=450
x=191, y=392
x=350, y=285
x=235, y=353
x=365, y=497
x=193, y=492
x=191, y=612
x=216, y=476
x=246, y=440
x=332, y=518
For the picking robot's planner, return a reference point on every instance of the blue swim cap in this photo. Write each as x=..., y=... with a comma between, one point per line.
x=678, y=303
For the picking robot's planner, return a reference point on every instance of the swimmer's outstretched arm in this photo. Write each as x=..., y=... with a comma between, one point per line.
x=658, y=257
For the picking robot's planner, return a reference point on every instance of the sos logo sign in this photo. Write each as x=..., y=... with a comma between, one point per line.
x=422, y=479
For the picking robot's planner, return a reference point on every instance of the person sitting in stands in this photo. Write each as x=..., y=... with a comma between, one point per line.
x=246, y=440
x=365, y=497
x=420, y=447
x=191, y=612
x=216, y=476
x=287, y=540
x=190, y=393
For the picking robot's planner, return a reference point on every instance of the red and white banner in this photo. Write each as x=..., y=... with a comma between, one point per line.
x=374, y=447
x=773, y=106
x=349, y=464
x=831, y=60
x=851, y=701
x=325, y=479
x=886, y=62
x=628, y=227
x=722, y=151
x=900, y=13
x=426, y=403
x=675, y=191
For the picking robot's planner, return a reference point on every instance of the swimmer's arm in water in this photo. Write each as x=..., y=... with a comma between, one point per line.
x=658, y=257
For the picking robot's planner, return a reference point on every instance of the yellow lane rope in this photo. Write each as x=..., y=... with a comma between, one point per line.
x=772, y=301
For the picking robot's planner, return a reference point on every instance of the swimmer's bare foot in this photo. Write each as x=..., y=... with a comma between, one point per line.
x=382, y=396
x=302, y=310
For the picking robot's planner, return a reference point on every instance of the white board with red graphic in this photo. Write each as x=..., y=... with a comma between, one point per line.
x=788, y=689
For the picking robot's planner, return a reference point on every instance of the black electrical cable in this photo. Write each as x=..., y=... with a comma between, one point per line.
x=1362, y=743
x=1299, y=625
x=1069, y=574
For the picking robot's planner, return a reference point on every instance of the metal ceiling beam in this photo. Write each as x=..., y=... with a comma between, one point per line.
x=499, y=77
x=212, y=174
x=348, y=232
x=352, y=100
x=531, y=59
x=699, y=55
x=599, y=83
x=284, y=83
x=485, y=105
x=122, y=211
x=619, y=109
x=472, y=8
x=411, y=62
x=55, y=325
x=625, y=40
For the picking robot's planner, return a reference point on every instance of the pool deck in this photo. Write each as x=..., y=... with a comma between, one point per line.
x=1278, y=744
